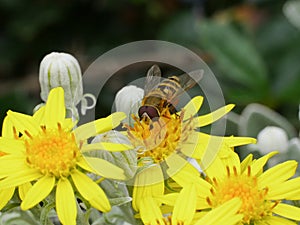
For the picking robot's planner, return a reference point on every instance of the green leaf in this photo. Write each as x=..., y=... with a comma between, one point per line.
x=287, y=81
x=44, y=218
x=183, y=26
x=234, y=53
x=120, y=201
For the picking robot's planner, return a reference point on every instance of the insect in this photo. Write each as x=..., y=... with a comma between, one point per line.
x=164, y=94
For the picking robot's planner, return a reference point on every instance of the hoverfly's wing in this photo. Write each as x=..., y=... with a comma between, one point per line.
x=153, y=79
x=187, y=81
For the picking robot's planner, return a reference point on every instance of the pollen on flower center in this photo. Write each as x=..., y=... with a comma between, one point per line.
x=254, y=203
x=53, y=151
x=159, y=138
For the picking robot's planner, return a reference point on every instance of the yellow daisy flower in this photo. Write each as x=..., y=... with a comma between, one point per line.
x=173, y=136
x=263, y=193
x=49, y=154
x=184, y=210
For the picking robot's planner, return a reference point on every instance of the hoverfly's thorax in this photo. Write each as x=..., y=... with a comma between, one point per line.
x=163, y=95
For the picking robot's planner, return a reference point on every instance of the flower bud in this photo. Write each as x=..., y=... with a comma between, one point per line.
x=272, y=138
x=127, y=100
x=61, y=69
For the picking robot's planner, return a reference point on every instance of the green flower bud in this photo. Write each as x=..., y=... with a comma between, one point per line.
x=63, y=70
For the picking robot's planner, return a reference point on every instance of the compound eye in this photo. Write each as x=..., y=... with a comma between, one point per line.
x=150, y=111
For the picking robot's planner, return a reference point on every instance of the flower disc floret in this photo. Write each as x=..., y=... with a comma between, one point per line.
x=52, y=151
x=255, y=205
x=159, y=138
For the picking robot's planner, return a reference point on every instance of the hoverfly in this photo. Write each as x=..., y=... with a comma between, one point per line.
x=164, y=94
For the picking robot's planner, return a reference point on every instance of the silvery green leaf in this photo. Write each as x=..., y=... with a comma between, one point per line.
x=18, y=217
x=48, y=212
x=116, y=217
x=120, y=201
x=122, y=212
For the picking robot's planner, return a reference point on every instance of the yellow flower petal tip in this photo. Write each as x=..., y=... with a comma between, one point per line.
x=117, y=117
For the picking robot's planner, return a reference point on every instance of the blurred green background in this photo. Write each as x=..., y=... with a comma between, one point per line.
x=253, y=47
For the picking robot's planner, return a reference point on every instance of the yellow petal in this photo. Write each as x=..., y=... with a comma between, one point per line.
x=275, y=220
x=7, y=128
x=55, y=110
x=148, y=182
x=65, y=202
x=287, y=190
x=202, y=203
x=216, y=169
x=176, y=164
x=23, y=122
x=230, y=159
x=20, y=177
x=39, y=191
x=85, y=131
x=200, y=144
x=11, y=164
x=288, y=211
x=112, y=147
x=84, y=165
x=168, y=199
x=102, y=125
x=277, y=174
x=192, y=107
x=150, y=211
x=39, y=115
x=23, y=189
x=223, y=215
x=185, y=205
x=90, y=191
x=257, y=166
x=12, y=146
x=184, y=177
x=238, y=141
x=5, y=196
x=105, y=168
x=68, y=124
x=184, y=174
x=246, y=162
x=213, y=116
x=114, y=120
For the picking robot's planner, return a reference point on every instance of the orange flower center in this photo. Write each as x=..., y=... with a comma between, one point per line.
x=255, y=206
x=158, y=139
x=52, y=151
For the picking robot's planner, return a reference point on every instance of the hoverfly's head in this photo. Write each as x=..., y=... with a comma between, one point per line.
x=148, y=112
